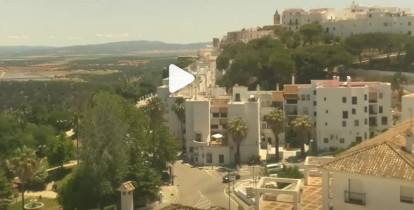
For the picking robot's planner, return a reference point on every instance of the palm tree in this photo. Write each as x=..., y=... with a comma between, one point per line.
x=179, y=109
x=276, y=120
x=155, y=110
x=24, y=165
x=238, y=130
x=75, y=124
x=302, y=126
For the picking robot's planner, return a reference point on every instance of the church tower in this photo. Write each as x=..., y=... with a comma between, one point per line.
x=276, y=18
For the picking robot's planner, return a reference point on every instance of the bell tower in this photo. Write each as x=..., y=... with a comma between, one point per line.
x=276, y=18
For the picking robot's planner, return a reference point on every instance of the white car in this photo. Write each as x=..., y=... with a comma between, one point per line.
x=274, y=168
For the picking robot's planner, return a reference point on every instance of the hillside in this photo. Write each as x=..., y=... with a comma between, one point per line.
x=126, y=47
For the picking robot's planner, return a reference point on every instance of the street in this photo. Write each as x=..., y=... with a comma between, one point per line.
x=202, y=188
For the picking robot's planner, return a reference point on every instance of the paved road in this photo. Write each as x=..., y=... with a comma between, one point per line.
x=201, y=188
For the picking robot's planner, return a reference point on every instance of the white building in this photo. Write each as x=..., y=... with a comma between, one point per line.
x=343, y=112
x=207, y=140
x=376, y=174
x=407, y=108
x=356, y=19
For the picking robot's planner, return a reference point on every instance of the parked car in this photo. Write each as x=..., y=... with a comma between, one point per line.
x=226, y=177
x=274, y=168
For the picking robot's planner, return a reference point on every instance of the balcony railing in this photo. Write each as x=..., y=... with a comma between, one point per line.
x=354, y=198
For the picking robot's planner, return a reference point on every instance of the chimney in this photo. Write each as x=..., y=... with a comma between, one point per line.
x=348, y=81
x=277, y=86
x=409, y=141
x=293, y=79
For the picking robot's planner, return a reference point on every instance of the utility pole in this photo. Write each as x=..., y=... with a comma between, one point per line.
x=228, y=174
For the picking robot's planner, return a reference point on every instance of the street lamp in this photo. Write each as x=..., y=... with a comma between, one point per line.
x=310, y=146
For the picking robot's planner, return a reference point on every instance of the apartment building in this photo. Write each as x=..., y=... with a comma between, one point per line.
x=207, y=140
x=342, y=111
x=376, y=174
x=356, y=19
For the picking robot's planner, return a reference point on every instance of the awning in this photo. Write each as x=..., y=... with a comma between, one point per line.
x=217, y=136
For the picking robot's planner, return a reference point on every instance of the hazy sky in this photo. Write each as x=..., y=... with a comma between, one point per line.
x=70, y=22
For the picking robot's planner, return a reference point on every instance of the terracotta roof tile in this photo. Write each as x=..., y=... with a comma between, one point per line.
x=290, y=89
x=219, y=102
x=384, y=156
x=277, y=96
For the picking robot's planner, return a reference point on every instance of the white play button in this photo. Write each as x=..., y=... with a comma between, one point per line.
x=178, y=78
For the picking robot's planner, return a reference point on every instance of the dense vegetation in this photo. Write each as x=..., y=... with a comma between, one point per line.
x=311, y=54
x=118, y=142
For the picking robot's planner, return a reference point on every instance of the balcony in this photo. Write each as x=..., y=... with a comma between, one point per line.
x=354, y=198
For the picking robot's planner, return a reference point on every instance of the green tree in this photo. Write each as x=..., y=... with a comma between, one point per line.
x=75, y=126
x=310, y=32
x=162, y=148
x=302, y=126
x=238, y=130
x=276, y=120
x=59, y=150
x=155, y=110
x=5, y=191
x=179, y=110
x=24, y=165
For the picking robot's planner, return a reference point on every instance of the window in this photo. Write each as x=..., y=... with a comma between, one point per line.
x=314, y=92
x=358, y=139
x=221, y=158
x=406, y=194
x=384, y=120
x=344, y=123
x=326, y=124
x=365, y=109
x=353, y=111
x=365, y=97
x=214, y=126
x=355, y=194
x=303, y=97
x=191, y=149
x=409, y=23
x=356, y=123
x=354, y=100
x=366, y=121
x=324, y=98
x=380, y=109
x=216, y=115
x=370, y=15
x=307, y=97
x=198, y=137
x=224, y=115
x=314, y=114
x=237, y=97
x=380, y=95
x=341, y=140
x=345, y=114
x=209, y=158
x=326, y=111
x=343, y=99
x=314, y=103
x=325, y=140
x=365, y=135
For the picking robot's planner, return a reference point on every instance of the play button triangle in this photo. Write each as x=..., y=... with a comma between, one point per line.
x=178, y=78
